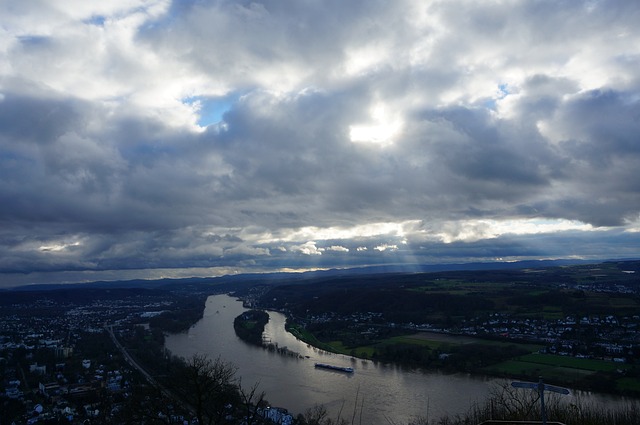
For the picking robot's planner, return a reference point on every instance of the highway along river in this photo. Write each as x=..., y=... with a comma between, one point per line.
x=377, y=393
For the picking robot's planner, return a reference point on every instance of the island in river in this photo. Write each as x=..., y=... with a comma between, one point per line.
x=249, y=326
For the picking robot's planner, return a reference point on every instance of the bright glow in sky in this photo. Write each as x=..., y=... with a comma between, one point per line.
x=382, y=129
x=162, y=136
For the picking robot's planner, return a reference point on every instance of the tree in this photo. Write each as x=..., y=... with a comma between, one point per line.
x=515, y=404
x=251, y=400
x=209, y=387
x=318, y=415
x=146, y=405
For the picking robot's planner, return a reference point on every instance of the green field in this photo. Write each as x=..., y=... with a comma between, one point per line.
x=534, y=370
x=553, y=368
x=373, y=321
x=573, y=362
x=563, y=370
x=411, y=339
x=306, y=336
x=628, y=385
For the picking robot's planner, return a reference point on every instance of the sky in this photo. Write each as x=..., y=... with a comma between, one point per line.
x=159, y=138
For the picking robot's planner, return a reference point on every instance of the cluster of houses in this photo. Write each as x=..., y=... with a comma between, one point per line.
x=606, y=336
x=46, y=394
x=277, y=415
x=57, y=386
x=45, y=376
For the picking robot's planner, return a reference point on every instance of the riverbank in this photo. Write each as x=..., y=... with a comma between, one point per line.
x=485, y=357
x=295, y=383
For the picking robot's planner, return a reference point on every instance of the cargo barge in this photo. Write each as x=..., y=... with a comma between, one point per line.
x=332, y=367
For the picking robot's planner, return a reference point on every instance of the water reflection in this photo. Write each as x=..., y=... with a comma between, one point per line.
x=376, y=391
x=379, y=393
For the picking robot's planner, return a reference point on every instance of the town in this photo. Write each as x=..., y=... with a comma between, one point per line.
x=58, y=361
x=93, y=355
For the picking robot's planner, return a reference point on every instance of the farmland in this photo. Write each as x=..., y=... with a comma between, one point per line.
x=575, y=325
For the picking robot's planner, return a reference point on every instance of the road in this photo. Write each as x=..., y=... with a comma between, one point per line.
x=150, y=379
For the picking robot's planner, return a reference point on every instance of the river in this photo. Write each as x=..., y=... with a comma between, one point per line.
x=374, y=394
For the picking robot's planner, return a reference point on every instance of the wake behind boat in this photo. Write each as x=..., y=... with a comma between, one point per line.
x=333, y=367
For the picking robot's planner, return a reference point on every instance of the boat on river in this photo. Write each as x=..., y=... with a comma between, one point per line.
x=333, y=367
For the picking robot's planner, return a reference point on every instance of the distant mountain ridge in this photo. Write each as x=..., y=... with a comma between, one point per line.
x=277, y=277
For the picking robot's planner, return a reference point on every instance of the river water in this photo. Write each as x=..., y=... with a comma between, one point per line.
x=374, y=394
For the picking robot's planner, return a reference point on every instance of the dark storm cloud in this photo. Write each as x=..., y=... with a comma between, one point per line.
x=600, y=126
x=352, y=133
x=597, y=132
x=36, y=120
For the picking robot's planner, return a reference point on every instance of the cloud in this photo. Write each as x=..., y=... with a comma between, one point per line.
x=337, y=248
x=224, y=134
x=386, y=247
x=308, y=248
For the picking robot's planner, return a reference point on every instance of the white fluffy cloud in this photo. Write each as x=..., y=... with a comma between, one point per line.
x=308, y=248
x=357, y=125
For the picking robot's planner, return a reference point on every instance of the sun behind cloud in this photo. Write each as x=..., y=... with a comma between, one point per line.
x=382, y=129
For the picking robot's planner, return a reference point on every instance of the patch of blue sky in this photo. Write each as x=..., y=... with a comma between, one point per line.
x=503, y=91
x=33, y=40
x=212, y=109
x=97, y=20
x=176, y=10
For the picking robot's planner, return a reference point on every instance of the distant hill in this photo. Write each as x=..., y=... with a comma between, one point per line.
x=235, y=282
